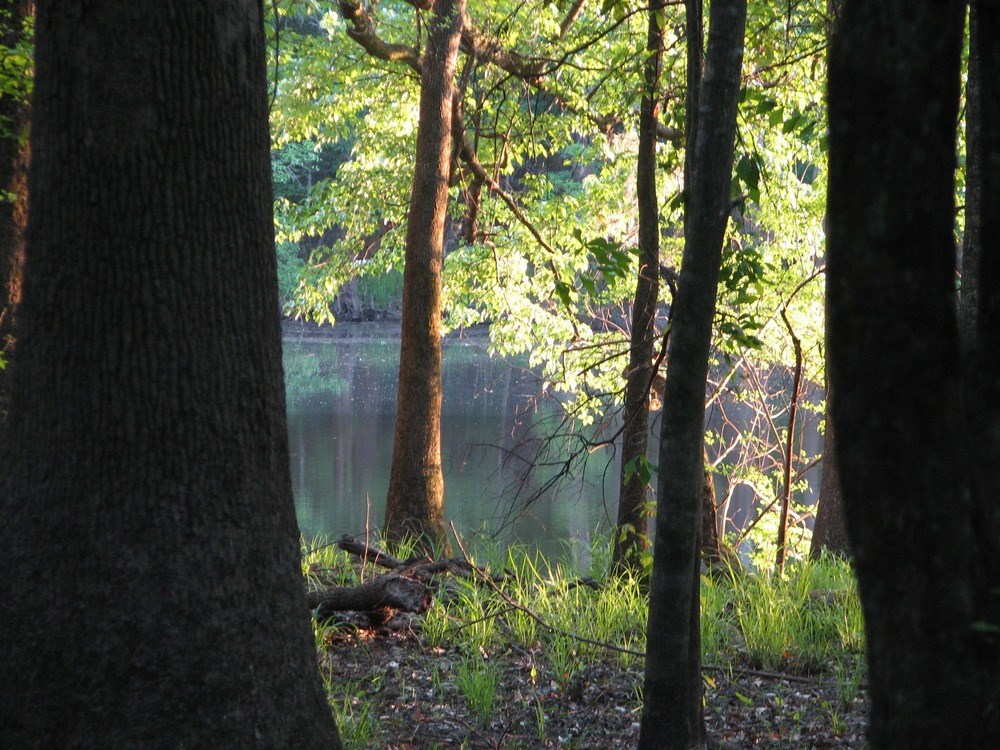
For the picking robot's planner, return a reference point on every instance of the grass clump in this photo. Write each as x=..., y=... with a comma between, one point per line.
x=325, y=564
x=800, y=620
x=355, y=722
x=477, y=679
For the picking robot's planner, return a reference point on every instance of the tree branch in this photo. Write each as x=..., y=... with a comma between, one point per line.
x=362, y=31
x=571, y=16
x=485, y=49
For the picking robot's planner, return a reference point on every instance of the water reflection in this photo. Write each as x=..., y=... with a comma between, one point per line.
x=341, y=415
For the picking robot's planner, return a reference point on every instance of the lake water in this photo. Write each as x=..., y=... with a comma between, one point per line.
x=341, y=418
x=341, y=415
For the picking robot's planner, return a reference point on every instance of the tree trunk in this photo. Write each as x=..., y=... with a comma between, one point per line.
x=152, y=594
x=415, y=503
x=672, y=715
x=829, y=532
x=14, y=158
x=915, y=434
x=986, y=513
x=968, y=298
x=708, y=536
x=630, y=535
x=986, y=53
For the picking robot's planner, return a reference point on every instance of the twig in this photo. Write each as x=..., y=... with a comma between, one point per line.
x=786, y=493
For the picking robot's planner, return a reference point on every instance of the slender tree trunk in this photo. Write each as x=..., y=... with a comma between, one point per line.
x=152, y=594
x=695, y=31
x=630, y=537
x=789, y=451
x=968, y=299
x=829, y=532
x=711, y=548
x=415, y=503
x=915, y=431
x=14, y=158
x=672, y=716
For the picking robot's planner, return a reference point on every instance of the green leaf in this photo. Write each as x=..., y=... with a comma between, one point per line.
x=748, y=177
x=564, y=293
x=639, y=467
x=618, y=7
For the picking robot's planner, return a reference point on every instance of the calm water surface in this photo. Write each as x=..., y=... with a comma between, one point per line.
x=341, y=416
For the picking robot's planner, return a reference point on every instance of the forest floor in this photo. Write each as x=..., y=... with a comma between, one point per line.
x=390, y=690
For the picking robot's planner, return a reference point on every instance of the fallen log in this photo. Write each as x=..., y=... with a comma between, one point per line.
x=404, y=588
x=385, y=592
x=415, y=567
x=370, y=554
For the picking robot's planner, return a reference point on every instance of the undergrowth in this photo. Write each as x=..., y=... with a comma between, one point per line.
x=804, y=621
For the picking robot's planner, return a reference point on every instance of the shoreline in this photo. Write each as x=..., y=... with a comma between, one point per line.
x=348, y=330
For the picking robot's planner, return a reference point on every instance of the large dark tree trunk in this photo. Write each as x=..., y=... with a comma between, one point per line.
x=986, y=154
x=916, y=444
x=672, y=716
x=630, y=536
x=14, y=158
x=151, y=593
x=415, y=503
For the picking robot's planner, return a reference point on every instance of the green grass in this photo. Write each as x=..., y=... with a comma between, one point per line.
x=323, y=563
x=478, y=679
x=801, y=620
x=806, y=620
x=355, y=722
x=474, y=611
x=717, y=626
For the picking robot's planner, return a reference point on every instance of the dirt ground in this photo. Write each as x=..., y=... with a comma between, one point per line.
x=401, y=695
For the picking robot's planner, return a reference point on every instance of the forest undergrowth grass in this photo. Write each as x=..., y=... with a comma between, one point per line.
x=804, y=621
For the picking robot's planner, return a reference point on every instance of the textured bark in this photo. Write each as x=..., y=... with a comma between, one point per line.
x=14, y=157
x=709, y=534
x=829, y=531
x=630, y=537
x=672, y=708
x=415, y=503
x=145, y=485
x=987, y=154
x=385, y=592
x=715, y=552
x=916, y=444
